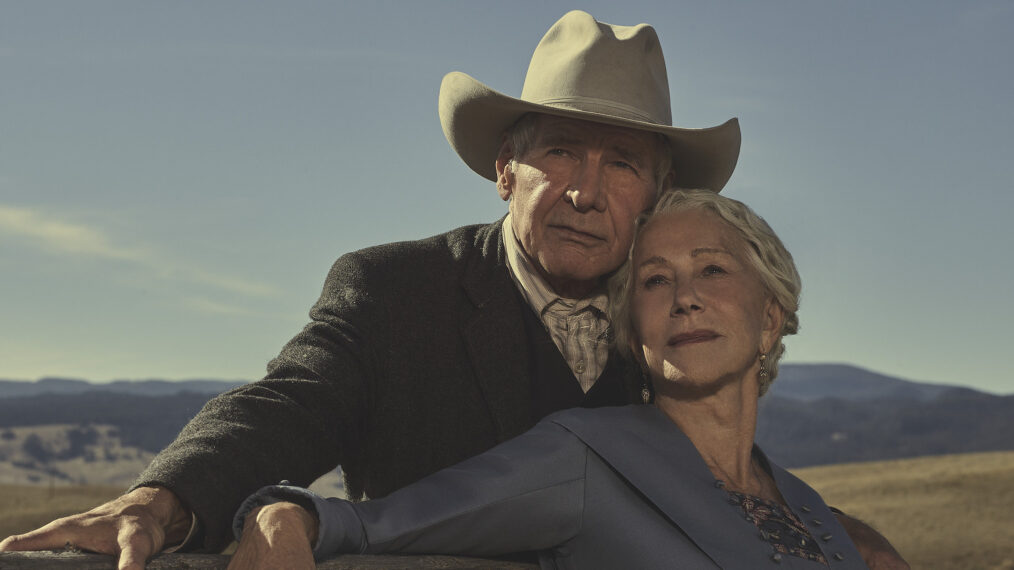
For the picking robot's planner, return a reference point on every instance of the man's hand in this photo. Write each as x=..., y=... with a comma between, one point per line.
x=279, y=535
x=876, y=551
x=131, y=527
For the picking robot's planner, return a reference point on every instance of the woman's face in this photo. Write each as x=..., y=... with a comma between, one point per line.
x=701, y=315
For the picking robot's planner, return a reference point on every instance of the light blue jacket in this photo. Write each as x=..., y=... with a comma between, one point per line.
x=588, y=488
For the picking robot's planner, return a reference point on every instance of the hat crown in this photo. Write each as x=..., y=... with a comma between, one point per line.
x=585, y=65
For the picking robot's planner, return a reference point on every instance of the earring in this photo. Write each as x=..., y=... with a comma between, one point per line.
x=763, y=373
x=645, y=392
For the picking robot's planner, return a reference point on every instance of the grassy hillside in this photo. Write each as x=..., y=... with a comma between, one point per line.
x=945, y=512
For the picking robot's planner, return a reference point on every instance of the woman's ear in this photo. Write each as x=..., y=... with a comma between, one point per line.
x=504, y=172
x=774, y=320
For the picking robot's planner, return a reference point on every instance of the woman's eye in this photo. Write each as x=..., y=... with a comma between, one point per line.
x=654, y=281
x=558, y=152
x=713, y=270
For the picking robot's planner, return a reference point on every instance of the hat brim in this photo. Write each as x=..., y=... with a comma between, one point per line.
x=474, y=118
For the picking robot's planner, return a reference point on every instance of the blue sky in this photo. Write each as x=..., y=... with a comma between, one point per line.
x=177, y=177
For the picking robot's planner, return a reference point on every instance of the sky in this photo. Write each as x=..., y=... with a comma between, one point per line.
x=176, y=178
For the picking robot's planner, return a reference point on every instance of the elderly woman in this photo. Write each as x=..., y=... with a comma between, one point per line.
x=702, y=303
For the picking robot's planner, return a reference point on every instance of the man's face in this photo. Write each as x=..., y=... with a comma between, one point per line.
x=574, y=196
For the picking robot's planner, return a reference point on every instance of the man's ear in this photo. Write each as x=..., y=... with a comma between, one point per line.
x=504, y=175
x=667, y=181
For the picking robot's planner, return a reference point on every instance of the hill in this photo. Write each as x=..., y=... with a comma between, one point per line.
x=809, y=382
x=815, y=414
x=56, y=386
x=821, y=431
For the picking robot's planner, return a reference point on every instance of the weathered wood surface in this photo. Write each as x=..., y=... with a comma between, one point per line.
x=70, y=560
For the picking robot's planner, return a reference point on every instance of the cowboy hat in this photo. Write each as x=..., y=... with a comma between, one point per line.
x=585, y=69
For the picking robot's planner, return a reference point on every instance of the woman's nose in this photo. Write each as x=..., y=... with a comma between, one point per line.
x=685, y=300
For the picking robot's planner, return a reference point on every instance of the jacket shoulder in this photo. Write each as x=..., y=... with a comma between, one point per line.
x=416, y=268
x=449, y=247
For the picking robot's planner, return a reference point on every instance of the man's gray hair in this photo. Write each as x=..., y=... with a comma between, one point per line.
x=522, y=136
x=766, y=254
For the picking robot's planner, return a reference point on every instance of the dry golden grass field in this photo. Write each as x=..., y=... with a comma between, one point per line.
x=947, y=512
x=24, y=507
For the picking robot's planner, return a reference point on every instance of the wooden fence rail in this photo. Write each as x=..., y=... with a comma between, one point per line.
x=69, y=560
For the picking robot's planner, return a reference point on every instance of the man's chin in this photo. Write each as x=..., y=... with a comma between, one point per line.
x=568, y=278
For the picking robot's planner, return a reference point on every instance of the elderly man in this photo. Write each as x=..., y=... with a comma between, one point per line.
x=422, y=354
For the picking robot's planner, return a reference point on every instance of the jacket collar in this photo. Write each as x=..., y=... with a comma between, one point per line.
x=655, y=457
x=494, y=333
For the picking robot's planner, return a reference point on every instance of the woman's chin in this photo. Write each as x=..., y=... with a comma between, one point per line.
x=687, y=383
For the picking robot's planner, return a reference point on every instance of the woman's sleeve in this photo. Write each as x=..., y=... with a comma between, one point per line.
x=525, y=494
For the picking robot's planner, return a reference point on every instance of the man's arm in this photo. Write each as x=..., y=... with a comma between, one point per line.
x=303, y=419
x=296, y=424
x=876, y=551
x=132, y=527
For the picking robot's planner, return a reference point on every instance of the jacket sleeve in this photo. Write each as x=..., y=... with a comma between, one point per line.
x=525, y=494
x=303, y=419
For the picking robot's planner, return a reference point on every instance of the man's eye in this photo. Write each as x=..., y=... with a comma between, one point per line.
x=625, y=165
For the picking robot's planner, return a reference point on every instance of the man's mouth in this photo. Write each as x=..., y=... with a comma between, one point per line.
x=692, y=337
x=577, y=234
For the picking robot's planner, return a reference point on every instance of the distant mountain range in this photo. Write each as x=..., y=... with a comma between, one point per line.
x=814, y=414
x=19, y=388
x=808, y=382
x=819, y=414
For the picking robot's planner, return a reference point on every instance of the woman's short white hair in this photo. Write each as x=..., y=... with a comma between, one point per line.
x=766, y=254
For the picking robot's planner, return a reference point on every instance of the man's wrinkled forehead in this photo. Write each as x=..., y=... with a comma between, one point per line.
x=631, y=144
x=562, y=129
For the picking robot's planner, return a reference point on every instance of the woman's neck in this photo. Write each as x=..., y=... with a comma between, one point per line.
x=721, y=425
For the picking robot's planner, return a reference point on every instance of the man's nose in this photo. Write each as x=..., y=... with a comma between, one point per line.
x=586, y=190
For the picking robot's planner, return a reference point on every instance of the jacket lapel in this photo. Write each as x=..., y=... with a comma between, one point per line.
x=656, y=458
x=806, y=503
x=494, y=335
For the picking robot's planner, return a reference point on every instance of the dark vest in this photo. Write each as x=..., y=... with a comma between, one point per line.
x=554, y=386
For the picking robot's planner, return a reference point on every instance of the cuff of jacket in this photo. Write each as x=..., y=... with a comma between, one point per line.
x=339, y=529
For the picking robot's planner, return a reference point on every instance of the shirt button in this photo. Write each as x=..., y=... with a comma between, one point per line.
x=776, y=557
x=579, y=367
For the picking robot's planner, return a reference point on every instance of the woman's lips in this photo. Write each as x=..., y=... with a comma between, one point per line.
x=692, y=337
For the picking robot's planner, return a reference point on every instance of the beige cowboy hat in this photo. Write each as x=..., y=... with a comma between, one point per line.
x=594, y=71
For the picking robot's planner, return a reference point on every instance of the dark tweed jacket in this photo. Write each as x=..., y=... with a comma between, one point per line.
x=416, y=358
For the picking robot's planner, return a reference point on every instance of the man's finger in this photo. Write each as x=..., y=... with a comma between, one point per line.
x=136, y=546
x=44, y=538
x=132, y=558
